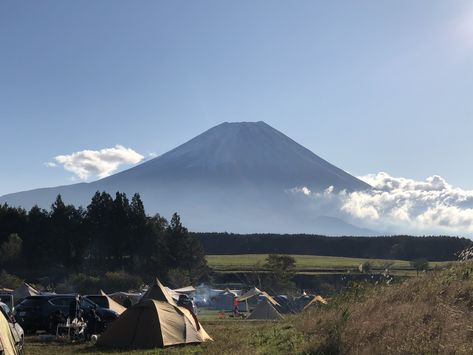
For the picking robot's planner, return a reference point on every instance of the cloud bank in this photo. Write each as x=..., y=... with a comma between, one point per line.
x=97, y=163
x=400, y=205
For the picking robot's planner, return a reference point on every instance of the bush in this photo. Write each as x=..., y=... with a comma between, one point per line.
x=8, y=280
x=179, y=278
x=110, y=282
x=120, y=281
x=80, y=283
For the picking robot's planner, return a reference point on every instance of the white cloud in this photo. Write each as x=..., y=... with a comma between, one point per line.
x=401, y=205
x=97, y=163
x=50, y=164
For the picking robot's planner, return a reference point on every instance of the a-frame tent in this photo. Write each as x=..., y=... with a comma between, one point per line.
x=265, y=311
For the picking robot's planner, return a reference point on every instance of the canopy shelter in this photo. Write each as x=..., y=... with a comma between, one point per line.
x=159, y=293
x=316, y=300
x=153, y=324
x=186, y=290
x=23, y=291
x=251, y=296
x=224, y=300
x=265, y=311
x=113, y=305
x=120, y=297
x=7, y=341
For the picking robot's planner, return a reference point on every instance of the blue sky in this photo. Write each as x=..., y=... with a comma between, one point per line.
x=368, y=85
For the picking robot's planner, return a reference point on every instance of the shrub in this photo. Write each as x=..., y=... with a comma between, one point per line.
x=8, y=280
x=120, y=281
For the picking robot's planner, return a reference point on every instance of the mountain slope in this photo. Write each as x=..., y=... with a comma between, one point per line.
x=234, y=176
x=243, y=152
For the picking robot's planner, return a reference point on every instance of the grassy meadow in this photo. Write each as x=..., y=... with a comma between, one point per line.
x=305, y=263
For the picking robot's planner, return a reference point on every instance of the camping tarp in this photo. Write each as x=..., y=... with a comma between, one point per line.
x=253, y=294
x=265, y=311
x=113, y=305
x=186, y=290
x=23, y=291
x=7, y=342
x=317, y=299
x=152, y=324
x=159, y=293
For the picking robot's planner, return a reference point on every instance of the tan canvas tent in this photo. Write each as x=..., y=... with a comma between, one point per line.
x=159, y=293
x=265, y=311
x=7, y=342
x=153, y=324
x=113, y=305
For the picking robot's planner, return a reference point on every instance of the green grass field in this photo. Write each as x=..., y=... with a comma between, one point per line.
x=231, y=336
x=305, y=263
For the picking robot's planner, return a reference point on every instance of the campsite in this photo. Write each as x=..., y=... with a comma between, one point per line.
x=252, y=177
x=330, y=328
x=261, y=323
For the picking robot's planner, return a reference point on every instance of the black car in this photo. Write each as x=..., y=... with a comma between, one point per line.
x=38, y=312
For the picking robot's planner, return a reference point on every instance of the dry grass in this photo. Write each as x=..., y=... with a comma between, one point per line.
x=429, y=314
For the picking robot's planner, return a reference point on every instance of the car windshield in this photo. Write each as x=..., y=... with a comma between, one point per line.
x=5, y=308
x=86, y=303
x=99, y=300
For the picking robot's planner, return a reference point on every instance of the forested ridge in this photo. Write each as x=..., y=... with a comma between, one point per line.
x=116, y=234
x=110, y=234
x=404, y=247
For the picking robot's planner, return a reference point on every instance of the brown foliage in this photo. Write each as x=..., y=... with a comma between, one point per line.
x=427, y=314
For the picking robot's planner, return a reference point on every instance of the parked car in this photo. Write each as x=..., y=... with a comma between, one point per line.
x=7, y=298
x=100, y=300
x=16, y=329
x=38, y=312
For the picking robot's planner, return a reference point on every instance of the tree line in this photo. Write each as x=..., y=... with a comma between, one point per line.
x=110, y=234
x=433, y=248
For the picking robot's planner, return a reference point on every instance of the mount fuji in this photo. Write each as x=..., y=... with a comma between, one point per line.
x=233, y=177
